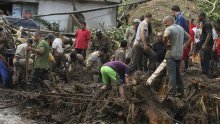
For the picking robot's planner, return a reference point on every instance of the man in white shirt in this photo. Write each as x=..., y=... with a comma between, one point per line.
x=57, y=50
x=19, y=60
x=142, y=47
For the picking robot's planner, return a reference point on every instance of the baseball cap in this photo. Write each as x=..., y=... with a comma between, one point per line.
x=50, y=37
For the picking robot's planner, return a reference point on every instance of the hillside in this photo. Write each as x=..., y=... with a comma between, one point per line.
x=161, y=8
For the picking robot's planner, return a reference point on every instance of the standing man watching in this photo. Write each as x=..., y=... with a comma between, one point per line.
x=57, y=50
x=180, y=20
x=130, y=36
x=206, y=42
x=41, y=61
x=82, y=39
x=142, y=47
x=174, y=37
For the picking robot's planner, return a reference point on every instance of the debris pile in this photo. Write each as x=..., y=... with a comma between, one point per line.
x=84, y=101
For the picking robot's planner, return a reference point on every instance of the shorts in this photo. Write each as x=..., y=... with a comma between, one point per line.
x=110, y=75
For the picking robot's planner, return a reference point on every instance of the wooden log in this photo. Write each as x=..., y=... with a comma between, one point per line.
x=157, y=73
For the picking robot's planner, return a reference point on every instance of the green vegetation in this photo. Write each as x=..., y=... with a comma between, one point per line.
x=50, y=26
x=211, y=7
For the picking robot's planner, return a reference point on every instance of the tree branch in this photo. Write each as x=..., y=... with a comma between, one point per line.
x=213, y=4
x=209, y=2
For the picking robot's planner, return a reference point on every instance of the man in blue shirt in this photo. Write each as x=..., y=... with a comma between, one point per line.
x=180, y=20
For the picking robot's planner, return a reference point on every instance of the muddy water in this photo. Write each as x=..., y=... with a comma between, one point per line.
x=11, y=116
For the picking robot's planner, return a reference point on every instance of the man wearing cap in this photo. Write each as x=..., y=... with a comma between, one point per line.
x=20, y=59
x=130, y=36
x=131, y=32
x=101, y=40
x=57, y=50
x=50, y=38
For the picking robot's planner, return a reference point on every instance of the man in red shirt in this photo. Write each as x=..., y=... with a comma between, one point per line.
x=82, y=39
x=217, y=43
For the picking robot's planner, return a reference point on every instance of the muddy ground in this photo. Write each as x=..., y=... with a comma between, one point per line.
x=82, y=101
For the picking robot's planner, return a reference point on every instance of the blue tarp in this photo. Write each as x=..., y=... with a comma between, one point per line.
x=5, y=75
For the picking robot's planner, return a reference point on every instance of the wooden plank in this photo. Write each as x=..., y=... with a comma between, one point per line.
x=157, y=72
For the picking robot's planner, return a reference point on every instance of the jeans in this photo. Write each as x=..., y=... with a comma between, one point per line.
x=205, y=56
x=173, y=68
x=38, y=76
x=137, y=56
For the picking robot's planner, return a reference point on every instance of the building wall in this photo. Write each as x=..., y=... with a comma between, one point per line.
x=49, y=6
x=106, y=16
x=95, y=18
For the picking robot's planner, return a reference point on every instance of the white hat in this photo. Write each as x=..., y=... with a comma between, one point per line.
x=137, y=21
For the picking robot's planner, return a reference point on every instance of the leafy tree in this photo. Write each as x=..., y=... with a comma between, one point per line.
x=211, y=7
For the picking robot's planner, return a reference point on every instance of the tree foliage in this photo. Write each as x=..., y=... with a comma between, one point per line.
x=211, y=8
x=51, y=26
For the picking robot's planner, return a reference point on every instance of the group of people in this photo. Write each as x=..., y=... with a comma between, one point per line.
x=5, y=13
x=137, y=51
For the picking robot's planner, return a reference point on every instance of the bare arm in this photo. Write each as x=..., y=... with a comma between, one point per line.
x=206, y=40
x=126, y=34
x=188, y=41
x=143, y=39
x=53, y=51
x=38, y=51
x=122, y=57
x=166, y=39
x=208, y=30
x=126, y=79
